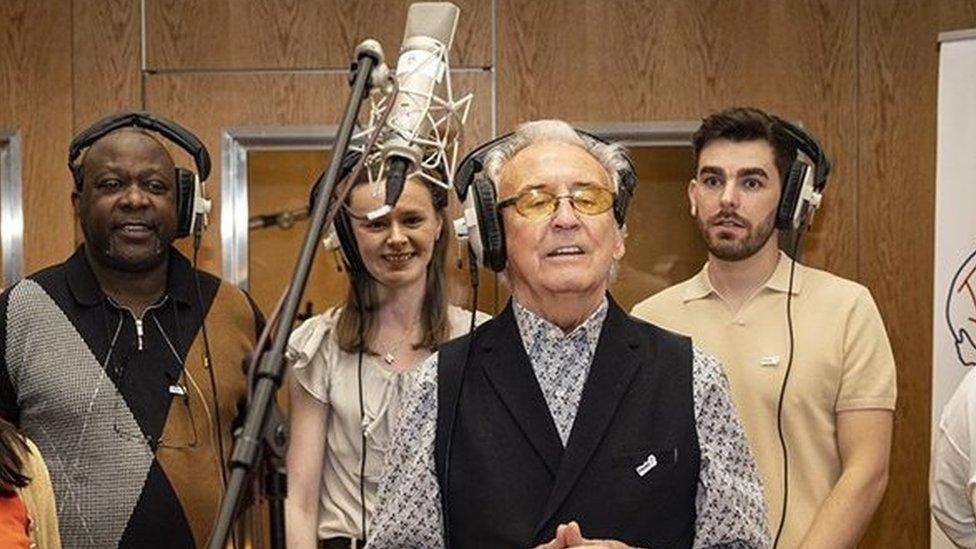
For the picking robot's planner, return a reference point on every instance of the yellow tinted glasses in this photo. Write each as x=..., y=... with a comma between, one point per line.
x=537, y=203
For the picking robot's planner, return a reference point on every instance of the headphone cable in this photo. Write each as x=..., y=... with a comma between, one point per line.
x=782, y=390
x=209, y=366
x=362, y=405
x=445, y=489
x=208, y=363
x=362, y=460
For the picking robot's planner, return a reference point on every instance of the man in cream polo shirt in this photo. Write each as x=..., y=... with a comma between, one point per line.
x=840, y=394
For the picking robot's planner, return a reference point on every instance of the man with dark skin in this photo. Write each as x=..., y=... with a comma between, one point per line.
x=128, y=215
x=105, y=363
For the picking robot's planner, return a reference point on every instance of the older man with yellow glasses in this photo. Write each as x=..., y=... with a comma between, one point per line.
x=563, y=415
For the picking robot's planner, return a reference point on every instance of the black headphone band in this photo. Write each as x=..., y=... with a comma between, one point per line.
x=348, y=163
x=806, y=144
x=342, y=223
x=172, y=131
x=472, y=164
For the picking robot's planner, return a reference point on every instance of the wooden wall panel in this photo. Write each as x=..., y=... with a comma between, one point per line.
x=861, y=75
x=106, y=56
x=896, y=171
x=636, y=61
x=35, y=87
x=241, y=34
x=208, y=103
x=280, y=181
x=957, y=14
x=651, y=61
x=654, y=261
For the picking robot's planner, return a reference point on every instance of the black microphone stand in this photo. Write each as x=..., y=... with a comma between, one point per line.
x=248, y=442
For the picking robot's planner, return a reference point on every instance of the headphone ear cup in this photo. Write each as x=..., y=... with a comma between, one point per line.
x=490, y=227
x=347, y=243
x=628, y=181
x=185, y=196
x=789, y=196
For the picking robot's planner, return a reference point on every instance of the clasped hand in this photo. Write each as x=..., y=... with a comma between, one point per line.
x=569, y=535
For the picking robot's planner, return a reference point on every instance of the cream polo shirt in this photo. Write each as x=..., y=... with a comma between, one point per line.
x=842, y=361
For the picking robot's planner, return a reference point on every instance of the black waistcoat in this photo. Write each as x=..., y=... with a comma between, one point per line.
x=512, y=482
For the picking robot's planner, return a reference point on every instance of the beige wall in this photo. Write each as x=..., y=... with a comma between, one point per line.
x=861, y=75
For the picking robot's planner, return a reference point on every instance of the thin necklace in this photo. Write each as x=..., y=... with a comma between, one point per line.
x=390, y=357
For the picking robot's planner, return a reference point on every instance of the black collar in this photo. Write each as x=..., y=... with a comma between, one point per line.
x=86, y=290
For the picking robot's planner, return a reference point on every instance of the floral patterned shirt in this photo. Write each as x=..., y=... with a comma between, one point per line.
x=729, y=503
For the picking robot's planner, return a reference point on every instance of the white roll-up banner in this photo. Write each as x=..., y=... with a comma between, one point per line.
x=954, y=307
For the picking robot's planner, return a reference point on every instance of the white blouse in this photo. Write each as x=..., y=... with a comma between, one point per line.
x=330, y=375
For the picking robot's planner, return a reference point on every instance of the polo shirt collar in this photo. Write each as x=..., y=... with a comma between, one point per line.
x=81, y=280
x=780, y=281
x=86, y=290
x=700, y=286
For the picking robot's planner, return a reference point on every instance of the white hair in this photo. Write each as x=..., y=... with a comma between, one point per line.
x=612, y=156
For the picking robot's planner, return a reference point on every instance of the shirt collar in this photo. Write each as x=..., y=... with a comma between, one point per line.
x=780, y=281
x=532, y=326
x=700, y=286
x=86, y=290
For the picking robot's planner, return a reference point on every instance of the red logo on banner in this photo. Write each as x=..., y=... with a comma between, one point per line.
x=961, y=311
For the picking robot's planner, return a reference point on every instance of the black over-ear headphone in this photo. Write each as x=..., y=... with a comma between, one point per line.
x=803, y=186
x=192, y=206
x=802, y=191
x=482, y=222
x=344, y=236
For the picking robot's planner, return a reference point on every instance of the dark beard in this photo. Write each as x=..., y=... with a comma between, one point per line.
x=737, y=250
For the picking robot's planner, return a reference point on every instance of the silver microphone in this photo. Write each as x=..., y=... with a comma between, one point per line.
x=419, y=72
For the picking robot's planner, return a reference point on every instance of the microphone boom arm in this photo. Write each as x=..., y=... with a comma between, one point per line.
x=247, y=444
